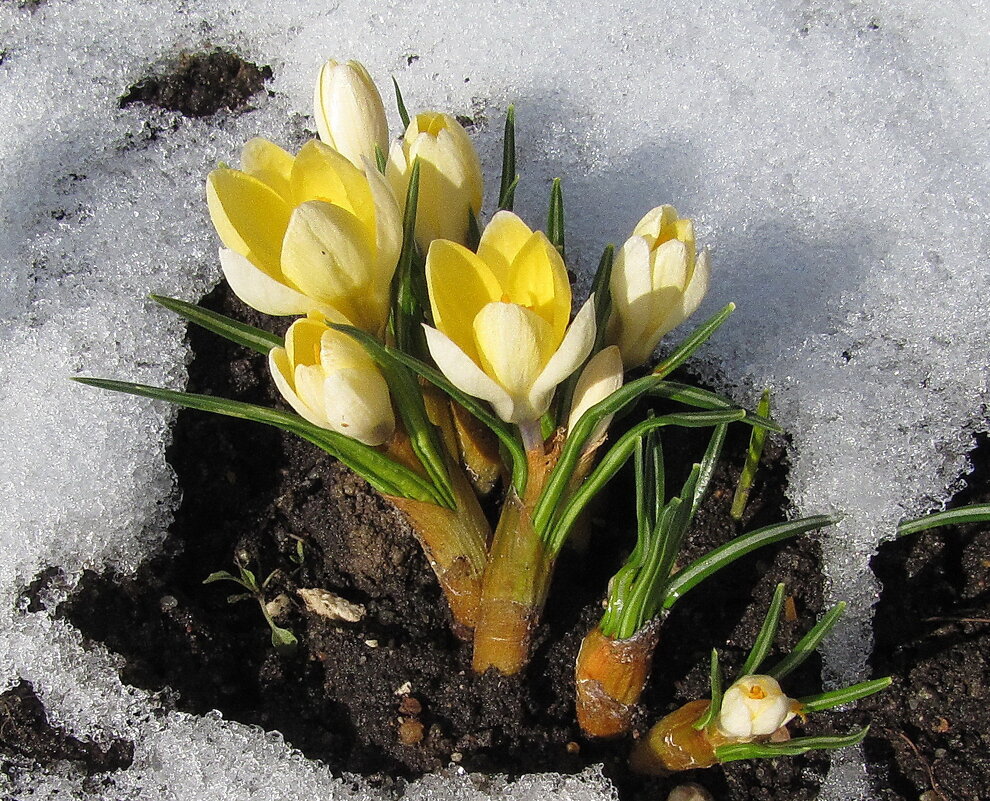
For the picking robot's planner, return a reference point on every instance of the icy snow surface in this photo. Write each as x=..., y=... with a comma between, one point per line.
x=834, y=155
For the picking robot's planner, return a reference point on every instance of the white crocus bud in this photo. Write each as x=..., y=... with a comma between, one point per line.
x=657, y=282
x=350, y=115
x=754, y=706
x=450, y=181
x=330, y=380
x=600, y=378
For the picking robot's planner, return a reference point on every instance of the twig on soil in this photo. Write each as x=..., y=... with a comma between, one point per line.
x=928, y=768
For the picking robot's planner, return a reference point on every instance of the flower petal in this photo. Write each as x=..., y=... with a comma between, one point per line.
x=577, y=344
x=463, y=373
x=693, y=295
x=357, y=404
x=349, y=112
x=283, y=375
x=321, y=173
x=388, y=222
x=602, y=376
x=325, y=254
x=513, y=344
x=631, y=286
x=538, y=280
x=460, y=285
x=269, y=163
x=501, y=242
x=259, y=290
x=249, y=216
x=657, y=225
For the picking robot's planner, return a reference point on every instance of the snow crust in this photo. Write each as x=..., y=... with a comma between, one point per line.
x=835, y=157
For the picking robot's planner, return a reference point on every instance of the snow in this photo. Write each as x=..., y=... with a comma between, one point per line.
x=834, y=155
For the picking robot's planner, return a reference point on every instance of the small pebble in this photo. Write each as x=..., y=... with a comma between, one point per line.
x=410, y=731
x=168, y=603
x=689, y=792
x=403, y=689
x=371, y=643
x=410, y=706
x=573, y=748
x=457, y=756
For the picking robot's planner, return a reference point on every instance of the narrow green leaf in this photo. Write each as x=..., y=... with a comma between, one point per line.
x=381, y=161
x=764, y=639
x=248, y=577
x=808, y=643
x=227, y=327
x=703, y=399
x=847, y=695
x=756, y=439
x=506, y=435
x=241, y=596
x=799, y=745
x=408, y=285
x=221, y=575
x=555, y=217
x=707, y=468
x=473, y=231
x=510, y=178
x=400, y=104
x=715, y=680
x=697, y=338
x=975, y=513
x=554, y=533
x=423, y=435
x=724, y=555
x=382, y=473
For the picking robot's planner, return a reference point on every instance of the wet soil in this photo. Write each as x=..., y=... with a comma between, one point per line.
x=391, y=696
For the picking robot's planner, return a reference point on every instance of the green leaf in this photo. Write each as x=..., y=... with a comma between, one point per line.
x=808, y=643
x=505, y=433
x=382, y=473
x=241, y=596
x=510, y=179
x=555, y=217
x=707, y=467
x=285, y=641
x=799, y=745
x=764, y=640
x=400, y=104
x=975, y=513
x=423, y=436
x=715, y=681
x=227, y=327
x=756, y=439
x=847, y=695
x=697, y=338
x=221, y=575
x=473, y=231
x=703, y=399
x=381, y=161
x=553, y=532
x=724, y=555
x=409, y=284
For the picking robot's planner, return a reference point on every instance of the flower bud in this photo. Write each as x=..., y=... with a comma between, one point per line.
x=599, y=379
x=450, y=182
x=754, y=706
x=658, y=281
x=330, y=380
x=349, y=112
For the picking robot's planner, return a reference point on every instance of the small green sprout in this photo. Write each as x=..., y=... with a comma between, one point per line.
x=283, y=640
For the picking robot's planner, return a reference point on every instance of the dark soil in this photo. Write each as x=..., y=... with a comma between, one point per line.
x=352, y=693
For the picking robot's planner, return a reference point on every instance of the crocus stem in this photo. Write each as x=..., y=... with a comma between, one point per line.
x=454, y=541
x=513, y=592
x=609, y=677
x=674, y=744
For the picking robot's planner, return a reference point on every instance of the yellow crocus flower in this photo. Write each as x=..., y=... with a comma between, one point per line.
x=450, y=181
x=330, y=380
x=501, y=318
x=304, y=233
x=349, y=112
x=657, y=282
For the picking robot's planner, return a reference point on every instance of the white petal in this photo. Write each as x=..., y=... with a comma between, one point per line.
x=463, y=373
x=577, y=344
x=734, y=719
x=696, y=290
x=388, y=224
x=259, y=290
x=600, y=378
x=281, y=370
x=357, y=405
x=770, y=715
x=308, y=379
x=513, y=345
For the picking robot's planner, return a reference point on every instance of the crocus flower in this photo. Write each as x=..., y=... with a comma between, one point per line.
x=349, y=112
x=450, y=182
x=502, y=318
x=304, y=233
x=329, y=379
x=601, y=377
x=658, y=281
x=754, y=706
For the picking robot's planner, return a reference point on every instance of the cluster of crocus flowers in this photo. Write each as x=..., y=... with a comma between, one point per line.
x=430, y=349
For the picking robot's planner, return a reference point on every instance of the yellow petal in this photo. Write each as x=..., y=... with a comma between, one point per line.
x=460, y=285
x=357, y=404
x=538, y=281
x=349, y=112
x=249, y=216
x=388, y=221
x=270, y=164
x=512, y=345
x=501, y=242
x=338, y=351
x=283, y=375
x=326, y=255
x=465, y=374
x=657, y=225
x=302, y=341
x=321, y=173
